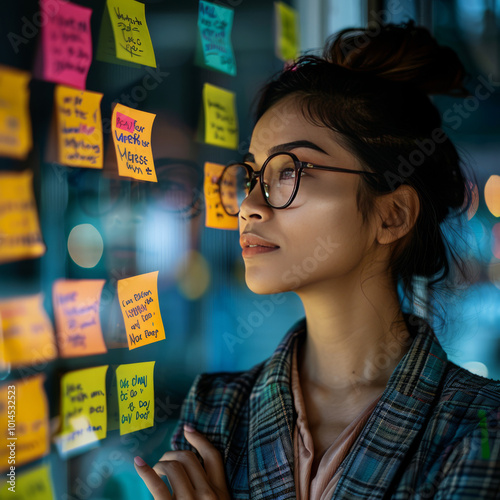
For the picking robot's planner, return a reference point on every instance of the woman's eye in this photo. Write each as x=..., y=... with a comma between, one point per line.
x=287, y=173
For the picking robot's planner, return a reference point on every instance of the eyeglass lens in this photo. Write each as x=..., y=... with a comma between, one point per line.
x=279, y=182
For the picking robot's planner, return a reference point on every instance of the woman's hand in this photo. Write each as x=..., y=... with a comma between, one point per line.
x=186, y=475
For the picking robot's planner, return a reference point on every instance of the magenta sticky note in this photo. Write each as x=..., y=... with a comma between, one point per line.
x=125, y=122
x=66, y=43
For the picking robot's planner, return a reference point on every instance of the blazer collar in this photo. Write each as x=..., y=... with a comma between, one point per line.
x=407, y=399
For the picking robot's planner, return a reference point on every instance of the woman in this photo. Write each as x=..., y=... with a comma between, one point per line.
x=348, y=178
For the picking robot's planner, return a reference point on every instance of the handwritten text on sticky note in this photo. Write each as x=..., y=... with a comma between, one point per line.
x=20, y=236
x=79, y=127
x=76, y=308
x=15, y=123
x=66, y=42
x=29, y=431
x=131, y=131
x=138, y=297
x=216, y=216
x=27, y=330
x=135, y=386
x=83, y=407
x=221, y=125
x=131, y=33
x=214, y=24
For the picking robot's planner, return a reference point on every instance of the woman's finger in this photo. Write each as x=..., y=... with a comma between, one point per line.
x=179, y=480
x=212, y=460
x=155, y=485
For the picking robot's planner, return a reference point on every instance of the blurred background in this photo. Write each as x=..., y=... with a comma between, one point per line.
x=99, y=226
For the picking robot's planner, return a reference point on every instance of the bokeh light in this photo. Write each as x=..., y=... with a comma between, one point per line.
x=476, y=367
x=495, y=243
x=494, y=272
x=194, y=276
x=85, y=245
x=492, y=194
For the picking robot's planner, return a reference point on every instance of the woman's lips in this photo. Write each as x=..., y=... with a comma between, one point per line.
x=253, y=244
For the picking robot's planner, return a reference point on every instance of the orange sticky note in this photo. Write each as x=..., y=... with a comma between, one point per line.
x=79, y=127
x=83, y=407
x=131, y=130
x=138, y=297
x=136, y=396
x=221, y=123
x=215, y=215
x=66, y=42
x=20, y=236
x=26, y=429
x=76, y=309
x=34, y=484
x=15, y=124
x=27, y=331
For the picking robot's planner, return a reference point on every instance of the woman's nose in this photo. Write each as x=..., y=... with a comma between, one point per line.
x=254, y=205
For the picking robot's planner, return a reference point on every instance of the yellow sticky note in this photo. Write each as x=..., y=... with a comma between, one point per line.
x=215, y=215
x=25, y=430
x=136, y=396
x=287, y=31
x=131, y=130
x=79, y=127
x=20, y=236
x=76, y=309
x=15, y=124
x=34, y=484
x=138, y=297
x=83, y=407
x=131, y=33
x=221, y=123
x=27, y=331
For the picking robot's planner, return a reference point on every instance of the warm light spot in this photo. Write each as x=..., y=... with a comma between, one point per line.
x=476, y=367
x=474, y=202
x=495, y=244
x=492, y=194
x=85, y=245
x=194, y=276
x=494, y=273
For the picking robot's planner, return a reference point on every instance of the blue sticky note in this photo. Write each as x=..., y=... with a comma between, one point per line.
x=215, y=23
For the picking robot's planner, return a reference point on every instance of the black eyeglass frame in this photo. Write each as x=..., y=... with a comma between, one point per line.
x=299, y=167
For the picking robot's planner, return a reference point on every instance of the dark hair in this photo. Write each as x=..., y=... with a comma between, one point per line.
x=372, y=90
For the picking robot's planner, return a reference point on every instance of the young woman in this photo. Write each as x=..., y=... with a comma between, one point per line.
x=348, y=179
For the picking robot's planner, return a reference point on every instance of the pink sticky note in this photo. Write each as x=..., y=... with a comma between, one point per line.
x=66, y=43
x=125, y=122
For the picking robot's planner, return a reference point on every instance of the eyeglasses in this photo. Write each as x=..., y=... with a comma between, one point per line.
x=279, y=181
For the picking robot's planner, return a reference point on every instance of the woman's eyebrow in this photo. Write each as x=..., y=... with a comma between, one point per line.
x=288, y=146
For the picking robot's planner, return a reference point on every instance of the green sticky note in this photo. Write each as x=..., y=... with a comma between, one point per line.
x=214, y=49
x=125, y=34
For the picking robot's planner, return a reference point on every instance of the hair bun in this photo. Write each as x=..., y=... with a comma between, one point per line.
x=402, y=53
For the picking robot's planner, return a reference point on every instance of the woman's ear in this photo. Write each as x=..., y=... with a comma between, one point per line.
x=398, y=212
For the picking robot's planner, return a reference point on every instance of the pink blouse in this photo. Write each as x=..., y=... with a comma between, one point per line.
x=322, y=485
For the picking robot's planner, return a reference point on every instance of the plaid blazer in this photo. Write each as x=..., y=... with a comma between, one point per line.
x=434, y=433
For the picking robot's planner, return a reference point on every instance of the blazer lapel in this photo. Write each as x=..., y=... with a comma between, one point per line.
x=271, y=424
x=401, y=413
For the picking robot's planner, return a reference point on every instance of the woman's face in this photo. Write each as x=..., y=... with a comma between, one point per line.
x=319, y=239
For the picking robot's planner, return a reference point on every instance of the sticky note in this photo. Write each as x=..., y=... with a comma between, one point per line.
x=34, y=484
x=79, y=127
x=66, y=42
x=28, y=336
x=83, y=407
x=138, y=297
x=20, y=236
x=15, y=123
x=221, y=124
x=27, y=430
x=124, y=34
x=136, y=395
x=287, y=31
x=215, y=215
x=131, y=130
x=76, y=309
x=215, y=23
